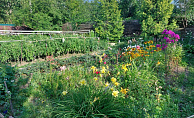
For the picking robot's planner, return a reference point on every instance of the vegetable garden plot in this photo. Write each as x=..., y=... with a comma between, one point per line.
x=30, y=49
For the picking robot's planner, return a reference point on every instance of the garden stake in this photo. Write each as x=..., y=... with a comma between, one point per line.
x=68, y=49
x=21, y=52
x=98, y=42
x=46, y=49
x=177, y=67
x=117, y=59
x=84, y=44
x=165, y=64
x=11, y=106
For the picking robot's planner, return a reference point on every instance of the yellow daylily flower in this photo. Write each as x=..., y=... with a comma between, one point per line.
x=124, y=68
x=64, y=92
x=103, y=70
x=113, y=80
x=95, y=78
x=93, y=68
x=115, y=93
x=107, y=84
x=158, y=63
x=124, y=91
x=82, y=82
x=116, y=84
x=111, y=88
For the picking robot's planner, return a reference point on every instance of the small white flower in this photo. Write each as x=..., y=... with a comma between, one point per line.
x=62, y=68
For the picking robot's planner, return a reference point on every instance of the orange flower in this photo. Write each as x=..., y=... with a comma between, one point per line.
x=159, y=49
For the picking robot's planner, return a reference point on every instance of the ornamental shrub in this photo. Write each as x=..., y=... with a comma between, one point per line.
x=154, y=15
x=108, y=21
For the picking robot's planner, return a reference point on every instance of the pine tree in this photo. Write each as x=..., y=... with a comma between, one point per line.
x=109, y=21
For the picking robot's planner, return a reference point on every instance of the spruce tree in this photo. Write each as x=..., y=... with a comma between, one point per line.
x=109, y=21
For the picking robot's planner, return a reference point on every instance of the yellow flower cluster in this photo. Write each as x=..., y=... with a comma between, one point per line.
x=148, y=42
x=140, y=52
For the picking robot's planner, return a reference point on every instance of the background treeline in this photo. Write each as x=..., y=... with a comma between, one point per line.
x=107, y=16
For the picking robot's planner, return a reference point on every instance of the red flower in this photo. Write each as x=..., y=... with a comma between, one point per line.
x=98, y=72
x=120, y=56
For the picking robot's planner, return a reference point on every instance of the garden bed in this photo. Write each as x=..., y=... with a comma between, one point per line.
x=122, y=81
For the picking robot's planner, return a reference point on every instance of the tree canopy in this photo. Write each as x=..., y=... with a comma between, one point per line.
x=107, y=15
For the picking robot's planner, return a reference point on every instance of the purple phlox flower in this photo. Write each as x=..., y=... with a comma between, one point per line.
x=176, y=36
x=164, y=32
x=167, y=39
x=158, y=45
x=172, y=41
x=164, y=46
x=176, y=39
x=171, y=33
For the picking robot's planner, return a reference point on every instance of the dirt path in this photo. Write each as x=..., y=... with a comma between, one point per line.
x=59, y=57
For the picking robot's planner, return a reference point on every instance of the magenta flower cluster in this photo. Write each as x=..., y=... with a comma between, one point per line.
x=170, y=34
x=170, y=37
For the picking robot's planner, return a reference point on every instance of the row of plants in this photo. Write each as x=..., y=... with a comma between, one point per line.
x=34, y=47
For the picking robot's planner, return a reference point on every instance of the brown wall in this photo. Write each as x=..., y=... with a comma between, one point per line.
x=130, y=27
